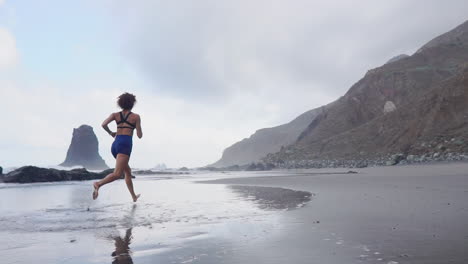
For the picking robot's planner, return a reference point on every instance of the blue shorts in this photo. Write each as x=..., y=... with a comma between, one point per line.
x=122, y=144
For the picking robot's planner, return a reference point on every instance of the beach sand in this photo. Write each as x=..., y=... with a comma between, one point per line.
x=402, y=214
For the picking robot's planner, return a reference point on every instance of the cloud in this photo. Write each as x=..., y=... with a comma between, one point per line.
x=8, y=53
x=200, y=50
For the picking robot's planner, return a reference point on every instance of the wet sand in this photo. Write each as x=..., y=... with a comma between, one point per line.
x=175, y=221
x=406, y=214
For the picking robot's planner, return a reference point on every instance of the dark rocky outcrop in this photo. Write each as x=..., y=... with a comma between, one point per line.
x=1, y=170
x=32, y=174
x=265, y=140
x=83, y=150
x=413, y=109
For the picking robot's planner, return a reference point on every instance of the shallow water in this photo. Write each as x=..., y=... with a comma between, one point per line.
x=175, y=221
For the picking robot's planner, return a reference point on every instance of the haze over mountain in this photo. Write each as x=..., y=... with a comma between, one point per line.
x=266, y=140
x=413, y=105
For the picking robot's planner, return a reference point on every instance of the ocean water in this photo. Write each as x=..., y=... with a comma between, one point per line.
x=176, y=220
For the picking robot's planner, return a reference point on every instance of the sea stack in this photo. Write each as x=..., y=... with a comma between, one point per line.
x=83, y=150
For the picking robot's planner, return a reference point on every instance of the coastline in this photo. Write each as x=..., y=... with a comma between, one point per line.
x=388, y=160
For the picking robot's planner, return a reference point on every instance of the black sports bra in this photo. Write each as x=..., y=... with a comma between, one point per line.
x=124, y=120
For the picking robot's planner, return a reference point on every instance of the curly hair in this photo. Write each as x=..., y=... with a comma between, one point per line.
x=126, y=101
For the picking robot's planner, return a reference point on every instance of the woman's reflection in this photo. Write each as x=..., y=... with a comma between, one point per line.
x=122, y=253
x=122, y=248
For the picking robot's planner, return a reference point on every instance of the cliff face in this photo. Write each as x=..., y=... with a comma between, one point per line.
x=396, y=108
x=266, y=140
x=83, y=150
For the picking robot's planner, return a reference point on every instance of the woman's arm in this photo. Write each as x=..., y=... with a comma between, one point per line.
x=106, y=123
x=138, y=127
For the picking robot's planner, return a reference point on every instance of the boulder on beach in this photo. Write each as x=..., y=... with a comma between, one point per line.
x=362, y=164
x=396, y=159
x=83, y=150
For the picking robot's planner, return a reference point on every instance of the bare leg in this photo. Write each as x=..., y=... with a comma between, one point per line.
x=129, y=182
x=120, y=163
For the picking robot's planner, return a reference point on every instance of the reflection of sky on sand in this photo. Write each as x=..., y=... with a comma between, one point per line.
x=175, y=221
x=269, y=198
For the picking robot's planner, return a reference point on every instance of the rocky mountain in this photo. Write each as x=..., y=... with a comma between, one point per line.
x=83, y=150
x=266, y=140
x=412, y=106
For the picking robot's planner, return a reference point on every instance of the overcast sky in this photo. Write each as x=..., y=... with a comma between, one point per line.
x=206, y=73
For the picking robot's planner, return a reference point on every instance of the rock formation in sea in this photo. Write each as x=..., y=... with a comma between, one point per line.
x=83, y=150
x=412, y=109
x=266, y=140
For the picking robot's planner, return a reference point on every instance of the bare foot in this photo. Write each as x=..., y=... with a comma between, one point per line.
x=96, y=190
x=136, y=198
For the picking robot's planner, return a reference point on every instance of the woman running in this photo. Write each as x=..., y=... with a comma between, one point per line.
x=122, y=146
